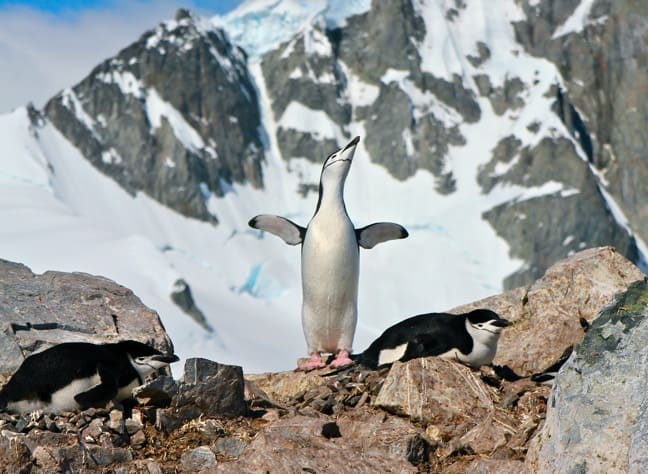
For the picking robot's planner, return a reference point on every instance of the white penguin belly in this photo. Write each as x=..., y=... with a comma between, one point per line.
x=330, y=267
x=61, y=401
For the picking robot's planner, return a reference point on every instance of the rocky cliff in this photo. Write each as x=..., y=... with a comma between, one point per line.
x=174, y=115
x=426, y=415
x=548, y=106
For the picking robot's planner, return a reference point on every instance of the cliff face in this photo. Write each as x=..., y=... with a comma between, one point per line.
x=551, y=104
x=174, y=115
x=376, y=71
x=604, y=69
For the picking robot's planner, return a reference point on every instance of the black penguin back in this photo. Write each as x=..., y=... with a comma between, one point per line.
x=426, y=335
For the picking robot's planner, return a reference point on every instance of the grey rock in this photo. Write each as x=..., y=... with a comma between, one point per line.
x=217, y=389
x=546, y=315
x=297, y=144
x=483, y=55
x=116, y=420
x=548, y=228
x=596, y=415
x=197, y=459
x=295, y=445
x=170, y=419
x=604, y=73
x=38, y=311
x=293, y=73
x=206, y=389
x=158, y=392
x=230, y=447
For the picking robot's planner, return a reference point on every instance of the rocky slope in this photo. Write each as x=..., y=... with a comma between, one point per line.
x=423, y=415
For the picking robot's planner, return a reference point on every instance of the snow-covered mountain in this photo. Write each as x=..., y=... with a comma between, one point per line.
x=475, y=136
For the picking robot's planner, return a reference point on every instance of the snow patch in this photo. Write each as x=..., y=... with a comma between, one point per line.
x=156, y=108
x=578, y=20
x=315, y=122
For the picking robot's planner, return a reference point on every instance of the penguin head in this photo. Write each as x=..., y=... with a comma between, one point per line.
x=485, y=326
x=145, y=359
x=147, y=365
x=336, y=166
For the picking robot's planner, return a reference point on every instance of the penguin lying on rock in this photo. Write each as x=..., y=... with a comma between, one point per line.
x=330, y=262
x=470, y=338
x=80, y=375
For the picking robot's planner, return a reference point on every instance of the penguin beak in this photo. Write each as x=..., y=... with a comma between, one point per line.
x=166, y=358
x=346, y=154
x=352, y=143
x=501, y=323
x=343, y=154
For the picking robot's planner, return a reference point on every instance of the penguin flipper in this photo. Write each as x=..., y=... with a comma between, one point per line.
x=99, y=395
x=374, y=234
x=290, y=232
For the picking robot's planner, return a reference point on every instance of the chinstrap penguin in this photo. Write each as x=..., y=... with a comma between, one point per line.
x=80, y=375
x=330, y=262
x=470, y=338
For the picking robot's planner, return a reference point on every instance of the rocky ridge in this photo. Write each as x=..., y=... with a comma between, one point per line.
x=177, y=114
x=420, y=416
x=174, y=115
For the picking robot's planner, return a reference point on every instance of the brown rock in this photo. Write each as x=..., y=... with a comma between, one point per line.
x=547, y=314
x=451, y=400
x=295, y=445
x=283, y=386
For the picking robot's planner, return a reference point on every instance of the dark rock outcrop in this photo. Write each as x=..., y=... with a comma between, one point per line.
x=604, y=68
x=174, y=115
x=182, y=296
x=541, y=230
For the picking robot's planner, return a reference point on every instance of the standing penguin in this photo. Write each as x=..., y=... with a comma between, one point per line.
x=330, y=262
x=80, y=375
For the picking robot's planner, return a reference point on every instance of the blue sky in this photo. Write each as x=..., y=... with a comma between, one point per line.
x=47, y=45
x=63, y=7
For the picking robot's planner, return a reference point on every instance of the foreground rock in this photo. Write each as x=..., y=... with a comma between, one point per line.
x=426, y=415
x=37, y=311
x=598, y=415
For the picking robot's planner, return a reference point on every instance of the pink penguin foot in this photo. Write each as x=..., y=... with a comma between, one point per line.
x=315, y=362
x=342, y=360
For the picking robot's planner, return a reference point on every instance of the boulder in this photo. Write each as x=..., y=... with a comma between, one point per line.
x=296, y=444
x=597, y=419
x=206, y=389
x=549, y=315
x=38, y=311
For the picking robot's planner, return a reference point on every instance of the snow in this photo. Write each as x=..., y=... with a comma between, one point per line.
x=259, y=26
x=156, y=108
x=315, y=122
x=125, y=80
x=578, y=20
